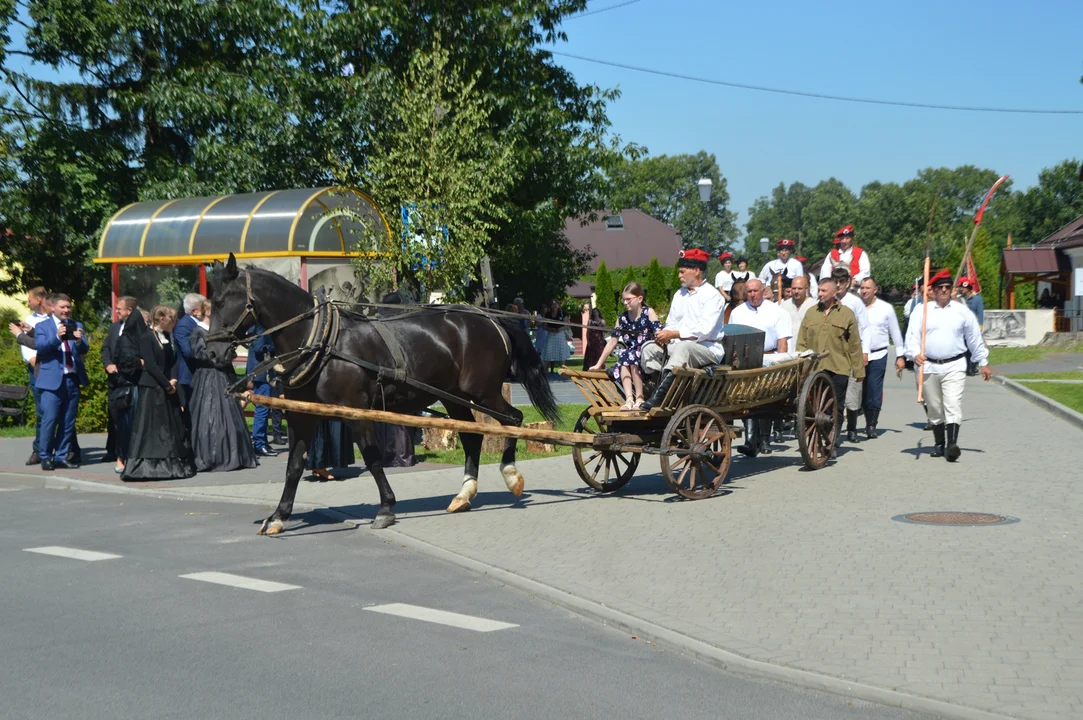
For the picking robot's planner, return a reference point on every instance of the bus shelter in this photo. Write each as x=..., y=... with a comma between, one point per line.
x=159, y=249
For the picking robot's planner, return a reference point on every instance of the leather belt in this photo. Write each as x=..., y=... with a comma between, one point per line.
x=878, y=350
x=945, y=361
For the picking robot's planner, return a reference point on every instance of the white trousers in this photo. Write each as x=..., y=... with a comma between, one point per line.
x=686, y=352
x=944, y=396
x=853, y=393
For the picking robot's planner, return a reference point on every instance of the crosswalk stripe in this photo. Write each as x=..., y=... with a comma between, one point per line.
x=72, y=553
x=441, y=617
x=239, y=581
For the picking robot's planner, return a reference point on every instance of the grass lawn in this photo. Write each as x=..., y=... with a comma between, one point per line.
x=568, y=416
x=14, y=431
x=1068, y=395
x=1066, y=375
x=1007, y=356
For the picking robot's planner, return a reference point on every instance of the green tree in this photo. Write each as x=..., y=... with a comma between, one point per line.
x=630, y=276
x=657, y=294
x=674, y=279
x=1055, y=201
x=665, y=188
x=606, y=295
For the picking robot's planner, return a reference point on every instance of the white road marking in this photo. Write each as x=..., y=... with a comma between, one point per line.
x=72, y=553
x=240, y=581
x=10, y=489
x=416, y=612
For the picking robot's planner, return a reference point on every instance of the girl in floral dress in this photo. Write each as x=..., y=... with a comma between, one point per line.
x=637, y=324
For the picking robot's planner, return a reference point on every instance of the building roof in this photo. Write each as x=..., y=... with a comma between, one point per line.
x=625, y=238
x=319, y=222
x=1035, y=260
x=1069, y=236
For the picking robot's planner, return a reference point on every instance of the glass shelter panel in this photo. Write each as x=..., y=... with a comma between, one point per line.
x=269, y=230
x=219, y=231
x=126, y=231
x=171, y=231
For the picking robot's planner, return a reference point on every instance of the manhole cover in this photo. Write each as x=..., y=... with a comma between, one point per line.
x=953, y=517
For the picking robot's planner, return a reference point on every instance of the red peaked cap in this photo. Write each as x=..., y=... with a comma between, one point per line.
x=725, y=256
x=784, y=243
x=800, y=259
x=836, y=241
x=964, y=282
x=844, y=231
x=694, y=258
x=941, y=278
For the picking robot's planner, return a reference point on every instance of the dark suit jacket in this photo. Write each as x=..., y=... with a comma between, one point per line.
x=111, y=356
x=51, y=356
x=182, y=334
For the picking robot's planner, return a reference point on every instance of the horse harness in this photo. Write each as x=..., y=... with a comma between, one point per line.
x=300, y=366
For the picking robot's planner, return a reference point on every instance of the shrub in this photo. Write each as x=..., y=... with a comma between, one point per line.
x=657, y=292
x=607, y=296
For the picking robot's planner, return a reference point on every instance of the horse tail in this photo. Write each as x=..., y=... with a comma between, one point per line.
x=531, y=371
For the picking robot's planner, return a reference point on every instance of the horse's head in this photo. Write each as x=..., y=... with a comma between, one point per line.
x=233, y=312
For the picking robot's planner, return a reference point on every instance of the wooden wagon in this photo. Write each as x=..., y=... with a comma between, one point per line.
x=690, y=429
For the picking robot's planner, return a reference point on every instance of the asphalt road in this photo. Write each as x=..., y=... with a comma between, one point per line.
x=130, y=637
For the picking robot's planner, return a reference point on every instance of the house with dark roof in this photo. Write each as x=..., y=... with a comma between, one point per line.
x=624, y=238
x=1055, y=264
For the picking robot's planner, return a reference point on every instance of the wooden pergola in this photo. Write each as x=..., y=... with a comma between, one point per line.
x=1035, y=264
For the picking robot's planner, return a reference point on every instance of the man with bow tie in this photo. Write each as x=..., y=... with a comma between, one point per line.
x=61, y=375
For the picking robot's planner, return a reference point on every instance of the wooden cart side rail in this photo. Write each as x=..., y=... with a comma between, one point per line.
x=557, y=437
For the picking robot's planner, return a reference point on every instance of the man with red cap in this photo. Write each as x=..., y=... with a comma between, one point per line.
x=783, y=265
x=950, y=331
x=848, y=255
x=724, y=279
x=692, y=335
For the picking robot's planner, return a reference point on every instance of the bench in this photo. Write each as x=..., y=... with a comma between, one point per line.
x=13, y=402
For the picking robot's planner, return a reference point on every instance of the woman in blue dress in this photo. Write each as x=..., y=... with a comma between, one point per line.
x=637, y=324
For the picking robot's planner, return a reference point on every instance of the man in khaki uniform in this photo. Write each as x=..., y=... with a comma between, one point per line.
x=831, y=328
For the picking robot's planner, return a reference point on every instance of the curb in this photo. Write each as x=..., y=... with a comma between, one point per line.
x=644, y=629
x=1046, y=403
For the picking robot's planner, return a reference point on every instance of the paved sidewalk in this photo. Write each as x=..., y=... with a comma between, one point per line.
x=797, y=569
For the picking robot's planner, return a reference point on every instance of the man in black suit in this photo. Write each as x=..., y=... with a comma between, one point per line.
x=119, y=387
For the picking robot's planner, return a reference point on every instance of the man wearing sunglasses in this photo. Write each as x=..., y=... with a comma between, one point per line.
x=950, y=331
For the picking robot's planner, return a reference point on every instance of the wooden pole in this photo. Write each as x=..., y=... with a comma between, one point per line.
x=924, y=324
x=347, y=413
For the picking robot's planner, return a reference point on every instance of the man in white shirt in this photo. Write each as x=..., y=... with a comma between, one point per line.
x=854, y=390
x=883, y=325
x=777, y=334
x=783, y=265
x=35, y=299
x=951, y=330
x=799, y=301
x=693, y=331
x=915, y=298
x=846, y=254
x=724, y=279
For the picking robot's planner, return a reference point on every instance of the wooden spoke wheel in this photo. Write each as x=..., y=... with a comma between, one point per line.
x=702, y=435
x=817, y=409
x=603, y=470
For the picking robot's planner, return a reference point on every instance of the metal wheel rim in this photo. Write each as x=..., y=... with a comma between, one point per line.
x=605, y=471
x=691, y=476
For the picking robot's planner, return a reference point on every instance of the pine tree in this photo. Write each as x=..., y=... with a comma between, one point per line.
x=657, y=292
x=630, y=276
x=674, y=279
x=607, y=296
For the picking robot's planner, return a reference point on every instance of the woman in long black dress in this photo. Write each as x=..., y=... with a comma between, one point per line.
x=220, y=439
x=595, y=339
x=159, y=448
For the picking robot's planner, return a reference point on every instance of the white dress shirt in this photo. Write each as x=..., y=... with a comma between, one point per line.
x=883, y=325
x=768, y=317
x=845, y=257
x=724, y=280
x=950, y=330
x=698, y=316
x=854, y=303
x=797, y=314
x=791, y=267
x=32, y=319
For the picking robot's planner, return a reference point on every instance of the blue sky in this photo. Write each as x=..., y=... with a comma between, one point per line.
x=994, y=53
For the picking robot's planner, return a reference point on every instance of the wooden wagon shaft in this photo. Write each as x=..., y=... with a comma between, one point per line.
x=555, y=437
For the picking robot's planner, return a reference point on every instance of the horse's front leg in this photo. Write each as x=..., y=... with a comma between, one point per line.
x=295, y=467
x=374, y=461
x=471, y=443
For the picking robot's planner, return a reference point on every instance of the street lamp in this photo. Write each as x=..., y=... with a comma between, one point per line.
x=764, y=244
x=705, y=186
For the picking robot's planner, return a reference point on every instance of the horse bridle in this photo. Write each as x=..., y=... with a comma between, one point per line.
x=249, y=309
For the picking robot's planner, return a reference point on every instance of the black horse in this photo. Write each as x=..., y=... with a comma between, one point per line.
x=454, y=349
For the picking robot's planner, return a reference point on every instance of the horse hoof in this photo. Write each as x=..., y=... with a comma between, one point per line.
x=516, y=486
x=270, y=527
x=383, y=521
x=458, y=504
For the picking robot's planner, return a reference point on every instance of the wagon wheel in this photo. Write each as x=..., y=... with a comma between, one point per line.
x=698, y=474
x=817, y=407
x=603, y=470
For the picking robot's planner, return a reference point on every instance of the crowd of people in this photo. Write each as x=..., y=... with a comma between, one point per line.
x=839, y=314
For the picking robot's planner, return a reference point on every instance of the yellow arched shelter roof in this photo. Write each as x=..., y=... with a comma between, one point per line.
x=310, y=222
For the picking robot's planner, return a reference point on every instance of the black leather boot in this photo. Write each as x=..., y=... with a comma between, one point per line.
x=751, y=446
x=953, y=452
x=874, y=421
x=938, y=437
x=928, y=422
x=765, y=437
x=660, y=391
x=851, y=425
